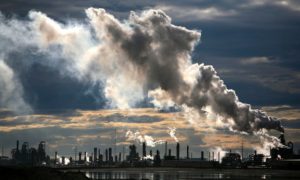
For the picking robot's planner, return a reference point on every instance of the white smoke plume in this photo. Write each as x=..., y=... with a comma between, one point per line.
x=11, y=91
x=218, y=153
x=172, y=132
x=145, y=55
x=148, y=157
x=139, y=138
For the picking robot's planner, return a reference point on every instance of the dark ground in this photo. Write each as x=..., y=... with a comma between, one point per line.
x=38, y=173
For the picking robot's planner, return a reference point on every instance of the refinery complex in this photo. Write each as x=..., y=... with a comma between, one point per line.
x=180, y=157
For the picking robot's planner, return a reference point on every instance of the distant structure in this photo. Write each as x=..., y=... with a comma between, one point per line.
x=32, y=156
x=111, y=159
x=232, y=160
x=177, y=151
x=106, y=155
x=281, y=158
x=283, y=152
x=187, y=152
x=157, y=160
x=133, y=154
x=255, y=159
x=95, y=155
x=144, y=149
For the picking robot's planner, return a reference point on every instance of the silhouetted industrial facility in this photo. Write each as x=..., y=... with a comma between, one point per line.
x=280, y=157
x=30, y=155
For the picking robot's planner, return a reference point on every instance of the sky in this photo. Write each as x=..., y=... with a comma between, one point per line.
x=252, y=44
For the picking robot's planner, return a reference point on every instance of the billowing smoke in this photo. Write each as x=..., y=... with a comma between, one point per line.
x=139, y=138
x=145, y=56
x=11, y=91
x=172, y=133
x=156, y=55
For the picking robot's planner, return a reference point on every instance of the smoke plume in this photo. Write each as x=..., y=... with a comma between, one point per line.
x=139, y=138
x=145, y=56
x=172, y=133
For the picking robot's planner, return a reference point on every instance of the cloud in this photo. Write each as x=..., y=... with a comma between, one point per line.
x=289, y=4
x=193, y=13
x=286, y=112
x=267, y=72
x=255, y=60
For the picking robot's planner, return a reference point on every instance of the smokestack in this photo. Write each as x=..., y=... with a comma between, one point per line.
x=213, y=156
x=166, y=148
x=202, y=155
x=55, y=157
x=99, y=155
x=95, y=154
x=110, y=155
x=120, y=156
x=84, y=157
x=255, y=152
x=218, y=156
x=170, y=154
x=17, y=145
x=144, y=149
x=187, y=152
x=208, y=155
x=150, y=152
x=106, y=155
x=177, y=151
x=63, y=160
x=242, y=150
x=123, y=153
x=79, y=156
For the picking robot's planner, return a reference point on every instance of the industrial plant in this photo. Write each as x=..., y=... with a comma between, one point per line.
x=280, y=158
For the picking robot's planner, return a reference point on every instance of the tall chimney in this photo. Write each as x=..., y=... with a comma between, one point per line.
x=170, y=154
x=144, y=149
x=84, y=157
x=187, y=152
x=106, y=155
x=95, y=154
x=166, y=148
x=63, y=160
x=79, y=156
x=242, y=150
x=177, y=151
x=150, y=152
x=213, y=156
x=110, y=155
x=99, y=155
x=202, y=155
x=17, y=145
x=55, y=157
